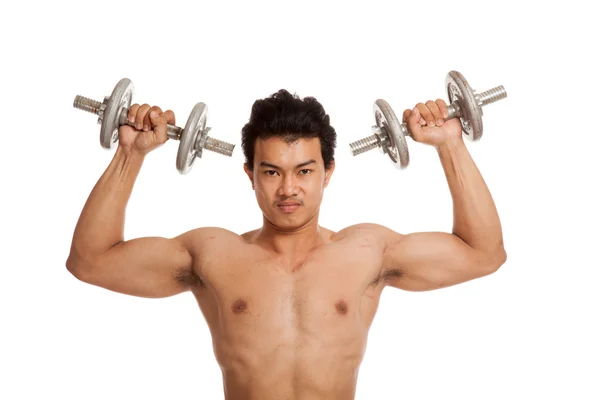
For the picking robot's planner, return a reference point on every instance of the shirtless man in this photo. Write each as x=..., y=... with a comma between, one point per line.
x=288, y=305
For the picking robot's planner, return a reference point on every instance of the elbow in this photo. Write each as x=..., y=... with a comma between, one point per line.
x=503, y=256
x=497, y=259
x=77, y=267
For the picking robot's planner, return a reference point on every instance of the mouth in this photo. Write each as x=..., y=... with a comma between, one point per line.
x=288, y=207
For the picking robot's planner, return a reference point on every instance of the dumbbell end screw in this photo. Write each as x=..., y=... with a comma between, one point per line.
x=363, y=145
x=87, y=104
x=219, y=146
x=492, y=95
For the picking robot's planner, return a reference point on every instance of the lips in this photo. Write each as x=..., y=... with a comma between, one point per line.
x=288, y=206
x=288, y=203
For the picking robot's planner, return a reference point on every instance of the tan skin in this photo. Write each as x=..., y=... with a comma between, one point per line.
x=288, y=305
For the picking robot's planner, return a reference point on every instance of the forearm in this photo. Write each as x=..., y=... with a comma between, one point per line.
x=476, y=219
x=102, y=220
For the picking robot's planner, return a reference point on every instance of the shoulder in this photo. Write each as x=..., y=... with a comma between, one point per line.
x=378, y=232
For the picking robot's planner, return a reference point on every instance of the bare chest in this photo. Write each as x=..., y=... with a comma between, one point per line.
x=335, y=289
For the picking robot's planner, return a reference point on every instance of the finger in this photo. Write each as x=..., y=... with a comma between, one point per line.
x=169, y=116
x=139, y=117
x=406, y=115
x=443, y=107
x=132, y=113
x=147, y=123
x=159, y=124
x=413, y=121
x=426, y=115
x=435, y=112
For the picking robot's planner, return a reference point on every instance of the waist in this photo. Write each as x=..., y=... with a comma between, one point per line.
x=301, y=382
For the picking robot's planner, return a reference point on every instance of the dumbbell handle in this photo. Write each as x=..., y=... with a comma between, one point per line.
x=173, y=131
x=489, y=96
x=453, y=112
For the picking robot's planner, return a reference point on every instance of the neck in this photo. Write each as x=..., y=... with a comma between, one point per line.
x=291, y=242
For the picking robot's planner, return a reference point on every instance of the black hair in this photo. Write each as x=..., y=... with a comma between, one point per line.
x=290, y=118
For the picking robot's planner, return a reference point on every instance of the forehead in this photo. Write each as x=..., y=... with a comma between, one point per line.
x=279, y=152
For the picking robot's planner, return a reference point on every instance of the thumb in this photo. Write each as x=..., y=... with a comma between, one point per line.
x=159, y=124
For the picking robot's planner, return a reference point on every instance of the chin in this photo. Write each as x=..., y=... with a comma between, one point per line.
x=287, y=222
x=293, y=221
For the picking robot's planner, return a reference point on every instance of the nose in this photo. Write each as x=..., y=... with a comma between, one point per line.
x=289, y=186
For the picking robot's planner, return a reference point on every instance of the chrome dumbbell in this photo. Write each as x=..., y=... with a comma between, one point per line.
x=389, y=135
x=193, y=138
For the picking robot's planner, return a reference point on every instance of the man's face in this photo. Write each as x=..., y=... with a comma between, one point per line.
x=289, y=180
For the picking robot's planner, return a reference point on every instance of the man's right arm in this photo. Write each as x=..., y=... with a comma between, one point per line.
x=145, y=267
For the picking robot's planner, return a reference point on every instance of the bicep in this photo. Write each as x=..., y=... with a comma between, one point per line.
x=433, y=260
x=145, y=267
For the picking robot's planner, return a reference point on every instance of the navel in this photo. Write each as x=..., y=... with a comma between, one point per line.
x=239, y=306
x=341, y=307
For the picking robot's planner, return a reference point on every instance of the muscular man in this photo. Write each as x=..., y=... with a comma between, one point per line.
x=288, y=305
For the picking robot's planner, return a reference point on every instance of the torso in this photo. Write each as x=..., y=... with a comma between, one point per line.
x=286, y=330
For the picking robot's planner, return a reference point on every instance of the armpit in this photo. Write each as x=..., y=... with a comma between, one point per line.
x=187, y=277
x=387, y=275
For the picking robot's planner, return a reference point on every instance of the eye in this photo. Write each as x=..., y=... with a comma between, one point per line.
x=305, y=171
x=271, y=172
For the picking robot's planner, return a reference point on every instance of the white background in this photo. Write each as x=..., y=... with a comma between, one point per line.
x=528, y=331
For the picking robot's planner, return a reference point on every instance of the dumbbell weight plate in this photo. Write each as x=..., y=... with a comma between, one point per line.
x=190, y=146
x=119, y=99
x=459, y=89
x=395, y=141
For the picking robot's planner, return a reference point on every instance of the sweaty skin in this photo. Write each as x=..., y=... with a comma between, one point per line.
x=288, y=305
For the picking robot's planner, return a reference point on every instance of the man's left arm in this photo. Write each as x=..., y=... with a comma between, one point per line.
x=475, y=248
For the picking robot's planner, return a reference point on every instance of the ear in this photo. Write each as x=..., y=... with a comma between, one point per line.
x=329, y=172
x=250, y=174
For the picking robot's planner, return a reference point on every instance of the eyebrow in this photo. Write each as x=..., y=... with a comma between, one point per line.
x=304, y=164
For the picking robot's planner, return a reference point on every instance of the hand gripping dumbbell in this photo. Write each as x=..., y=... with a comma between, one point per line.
x=113, y=111
x=465, y=103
